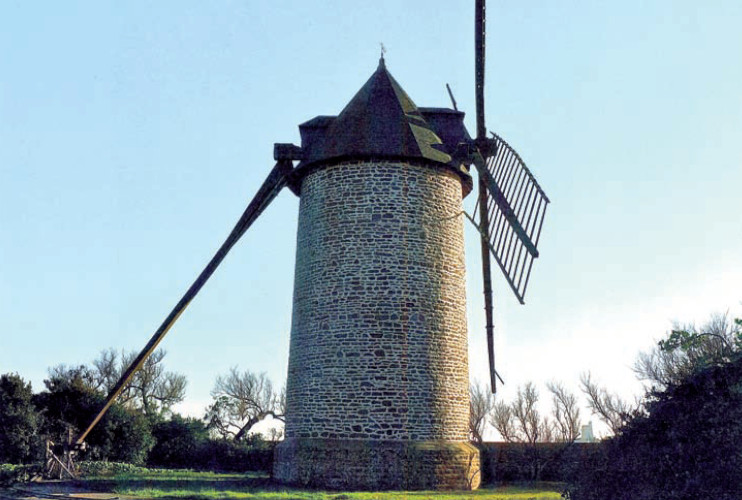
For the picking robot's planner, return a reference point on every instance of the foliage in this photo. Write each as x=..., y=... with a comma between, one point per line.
x=241, y=400
x=686, y=441
x=179, y=442
x=688, y=349
x=252, y=454
x=152, y=390
x=10, y=474
x=18, y=421
x=185, y=443
x=70, y=404
x=96, y=468
x=91, y=469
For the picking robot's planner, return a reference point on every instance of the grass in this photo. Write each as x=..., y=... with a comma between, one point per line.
x=164, y=484
x=123, y=471
x=499, y=493
x=249, y=488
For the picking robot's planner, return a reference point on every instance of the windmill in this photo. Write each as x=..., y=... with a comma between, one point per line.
x=511, y=203
x=378, y=373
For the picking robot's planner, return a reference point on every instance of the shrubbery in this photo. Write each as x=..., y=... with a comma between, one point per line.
x=178, y=442
x=185, y=443
x=10, y=474
x=686, y=440
x=138, y=429
x=122, y=435
x=231, y=456
x=19, y=421
x=93, y=468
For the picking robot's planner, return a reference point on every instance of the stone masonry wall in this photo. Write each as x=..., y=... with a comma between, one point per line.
x=379, y=337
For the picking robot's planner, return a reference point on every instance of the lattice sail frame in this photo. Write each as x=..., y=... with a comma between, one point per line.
x=516, y=205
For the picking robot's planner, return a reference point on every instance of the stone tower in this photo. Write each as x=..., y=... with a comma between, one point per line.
x=378, y=382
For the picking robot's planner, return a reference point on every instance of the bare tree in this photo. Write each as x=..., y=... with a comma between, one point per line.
x=502, y=420
x=610, y=408
x=241, y=400
x=107, y=369
x=565, y=411
x=481, y=404
x=520, y=421
x=528, y=421
x=152, y=390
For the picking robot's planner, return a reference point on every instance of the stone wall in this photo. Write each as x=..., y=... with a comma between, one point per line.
x=379, y=338
x=354, y=464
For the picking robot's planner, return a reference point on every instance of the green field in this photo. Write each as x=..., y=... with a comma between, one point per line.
x=147, y=483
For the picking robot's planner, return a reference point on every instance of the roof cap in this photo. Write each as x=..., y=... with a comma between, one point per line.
x=380, y=121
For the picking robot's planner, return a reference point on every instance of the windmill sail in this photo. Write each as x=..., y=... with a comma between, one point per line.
x=515, y=210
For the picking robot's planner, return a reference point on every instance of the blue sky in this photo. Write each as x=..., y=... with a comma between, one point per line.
x=133, y=135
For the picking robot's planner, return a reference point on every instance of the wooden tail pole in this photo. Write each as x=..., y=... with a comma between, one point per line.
x=276, y=180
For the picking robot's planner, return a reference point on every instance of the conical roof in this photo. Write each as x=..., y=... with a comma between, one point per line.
x=381, y=121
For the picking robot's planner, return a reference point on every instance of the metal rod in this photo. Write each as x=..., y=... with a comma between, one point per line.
x=532, y=197
x=522, y=163
x=502, y=231
x=510, y=252
x=521, y=198
x=541, y=224
x=528, y=277
x=450, y=94
x=511, y=177
x=500, y=165
x=514, y=186
x=520, y=278
x=507, y=167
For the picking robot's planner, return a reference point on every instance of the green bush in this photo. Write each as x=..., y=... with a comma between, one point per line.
x=185, y=443
x=686, y=446
x=178, y=442
x=121, y=435
x=230, y=456
x=92, y=468
x=19, y=442
x=10, y=474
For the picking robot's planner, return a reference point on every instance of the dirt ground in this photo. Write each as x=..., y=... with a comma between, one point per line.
x=50, y=490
